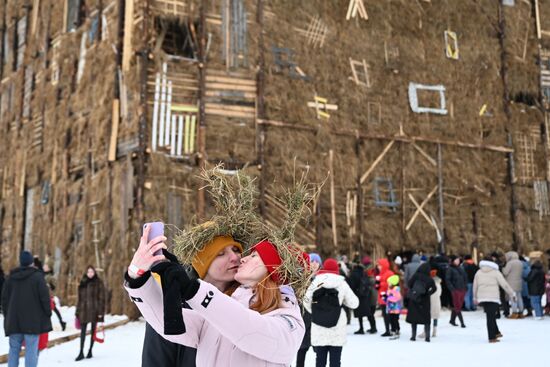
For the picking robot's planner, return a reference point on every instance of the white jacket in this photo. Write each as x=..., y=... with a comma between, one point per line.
x=435, y=299
x=487, y=281
x=336, y=335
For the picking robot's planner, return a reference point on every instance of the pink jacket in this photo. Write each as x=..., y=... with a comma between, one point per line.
x=224, y=330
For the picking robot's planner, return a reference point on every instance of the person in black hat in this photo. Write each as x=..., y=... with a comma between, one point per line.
x=27, y=311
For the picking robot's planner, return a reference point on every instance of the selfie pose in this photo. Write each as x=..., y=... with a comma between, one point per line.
x=259, y=324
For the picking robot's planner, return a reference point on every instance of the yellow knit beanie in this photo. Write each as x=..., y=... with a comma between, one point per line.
x=204, y=257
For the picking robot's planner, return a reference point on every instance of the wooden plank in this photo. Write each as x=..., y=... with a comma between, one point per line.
x=245, y=95
x=332, y=199
x=245, y=88
x=222, y=112
x=421, y=210
x=128, y=29
x=425, y=155
x=537, y=19
x=230, y=80
x=417, y=212
x=114, y=131
x=227, y=107
x=35, y=11
x=376, y=161
x=403, y=138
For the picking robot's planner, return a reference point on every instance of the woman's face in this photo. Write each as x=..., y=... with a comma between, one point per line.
x=225, y=265
x=90, y=273
x=252, y=270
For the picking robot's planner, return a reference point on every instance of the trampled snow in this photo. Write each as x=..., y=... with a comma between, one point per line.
x=525, y=342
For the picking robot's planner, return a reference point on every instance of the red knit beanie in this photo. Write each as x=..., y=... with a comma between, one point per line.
x=270, y=257
x=330, y=266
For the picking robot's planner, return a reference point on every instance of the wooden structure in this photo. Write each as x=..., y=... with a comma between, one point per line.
x=108, y=112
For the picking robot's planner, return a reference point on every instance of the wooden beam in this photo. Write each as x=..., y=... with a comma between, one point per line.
x=403, y=138
x=114, y=131
x=127, y=52
x=332, y=199
x=376, y=162
x=421, y=210
x=537, y=18
x=424, y=154
x=413, y=218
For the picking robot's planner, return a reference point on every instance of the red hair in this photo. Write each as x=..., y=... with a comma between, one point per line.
x=268, y=296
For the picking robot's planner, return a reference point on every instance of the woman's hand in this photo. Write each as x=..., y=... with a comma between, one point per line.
x=145, y=257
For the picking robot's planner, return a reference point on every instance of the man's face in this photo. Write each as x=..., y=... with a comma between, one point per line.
x=225, y=265
x=252, y=270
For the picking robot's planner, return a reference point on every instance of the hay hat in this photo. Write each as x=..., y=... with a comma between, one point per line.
x=235, y=202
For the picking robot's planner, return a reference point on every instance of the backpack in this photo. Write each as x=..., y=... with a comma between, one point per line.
x=325, y=307
x=418, y=291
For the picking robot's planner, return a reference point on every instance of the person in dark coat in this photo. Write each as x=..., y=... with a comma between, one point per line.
x=536, y=287
x=457, y=282
x=419, y=307
x=1, y=284
x=306, y=341
x=90, y=308
x=471, y=269
x=27, y=312
x=361, y=285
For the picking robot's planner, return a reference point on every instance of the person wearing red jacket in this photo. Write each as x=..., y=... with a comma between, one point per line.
x=384, y=272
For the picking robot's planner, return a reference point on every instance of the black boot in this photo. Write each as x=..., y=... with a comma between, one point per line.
x=63, y=325
x=361, y=330
x=89, y=354
x=413, y=336
x=80, y=356
x=461, y=320
x=453, y=319
x=427, y=332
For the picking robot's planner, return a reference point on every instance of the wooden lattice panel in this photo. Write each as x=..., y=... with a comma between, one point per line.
x=525, y=157
x=542, y=203
x=315, y=33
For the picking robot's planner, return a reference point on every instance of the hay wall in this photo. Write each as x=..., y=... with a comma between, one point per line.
x=62, y=198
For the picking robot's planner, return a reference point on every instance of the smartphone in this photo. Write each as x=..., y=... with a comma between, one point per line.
x=157, y=229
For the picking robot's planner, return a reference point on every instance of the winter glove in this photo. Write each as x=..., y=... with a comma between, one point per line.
x=384, y=296
x=175, y=286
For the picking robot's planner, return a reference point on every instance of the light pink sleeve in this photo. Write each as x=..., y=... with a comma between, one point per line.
x=273, y=337
x=149, y=300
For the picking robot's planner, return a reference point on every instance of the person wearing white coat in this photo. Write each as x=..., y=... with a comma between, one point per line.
x=330, y=340
x=435, y=303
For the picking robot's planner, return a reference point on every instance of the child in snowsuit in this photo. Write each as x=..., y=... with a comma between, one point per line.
x=394, y=305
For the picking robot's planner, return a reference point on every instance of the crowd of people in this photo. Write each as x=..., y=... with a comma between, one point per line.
x=510, y=285
x=28, y=300
x=412, y=290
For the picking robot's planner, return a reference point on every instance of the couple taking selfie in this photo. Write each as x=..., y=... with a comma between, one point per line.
x=238, y=303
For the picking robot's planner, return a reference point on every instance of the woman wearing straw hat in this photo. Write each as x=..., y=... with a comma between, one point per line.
x=260, y=324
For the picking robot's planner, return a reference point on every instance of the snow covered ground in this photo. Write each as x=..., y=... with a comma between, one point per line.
x=524, y=343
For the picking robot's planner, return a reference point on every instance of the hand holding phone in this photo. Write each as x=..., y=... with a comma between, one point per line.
x=155, y=229
x=149, y=252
